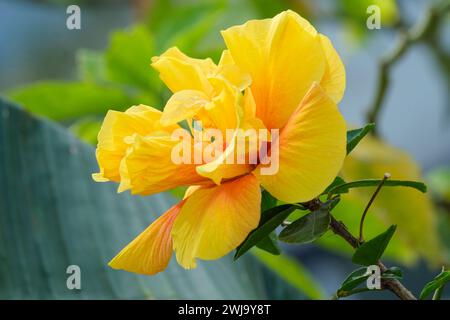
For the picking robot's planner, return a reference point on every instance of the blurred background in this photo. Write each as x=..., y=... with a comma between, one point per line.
x=73, y=76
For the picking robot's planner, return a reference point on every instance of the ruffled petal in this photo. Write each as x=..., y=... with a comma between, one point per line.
x=180, y=72
x=151, y=167
x=184, y=104
x=116, y=127
x=230, y=71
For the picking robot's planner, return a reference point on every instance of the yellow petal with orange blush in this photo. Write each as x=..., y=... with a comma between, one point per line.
x=214, y=221
x=117, y=125
x=180, y=72
x=148, y=167
x=312, y=148
x=283, y=56
x=150, y=252
x=333, y=81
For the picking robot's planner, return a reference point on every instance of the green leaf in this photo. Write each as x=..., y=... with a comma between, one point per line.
x=439, y=182
x=392, y=273
x=360, y=276
x=292, y=272
x=267, y=201
x=356, y=135
x=188, y=25
x=371, y=251
x=269, y=244
x=91, y=66
x=336, y=182
x=308, y=228
x=355, y=278
x=437, y=283
x=344, y=188
x=52, y=215
x=270, y=220
x=70, y=100
x=128, y=59
x=87, y=129
x=268, y=9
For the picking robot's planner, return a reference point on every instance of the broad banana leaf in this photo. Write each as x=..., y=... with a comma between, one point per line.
x=53, y=215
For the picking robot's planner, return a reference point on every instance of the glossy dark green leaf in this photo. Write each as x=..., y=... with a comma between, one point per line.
x=356, y=135
x=360, y=276
x=267, y=201
x=344, y=188
x=355, y=278
x=336, y=182
x=269, y=244
x=392, y=273
x=308, y=228
x=438, y=282
x=53, y=215
x=270, y=220
x=371, y=251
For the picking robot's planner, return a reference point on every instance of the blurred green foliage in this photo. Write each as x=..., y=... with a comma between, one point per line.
x=121, y=76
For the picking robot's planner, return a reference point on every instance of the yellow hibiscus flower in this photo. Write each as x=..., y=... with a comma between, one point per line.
x=276, y=74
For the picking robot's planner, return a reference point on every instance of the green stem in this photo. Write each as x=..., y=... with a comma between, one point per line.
x=363, y=217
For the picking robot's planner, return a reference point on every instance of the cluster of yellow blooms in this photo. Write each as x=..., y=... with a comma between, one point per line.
x=277, y=73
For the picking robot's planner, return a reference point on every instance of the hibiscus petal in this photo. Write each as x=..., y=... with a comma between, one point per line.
x=214, y=221
x=224, y=108
x=149, y=167
x=180, y=72
x=333, y=81
x=312, y=147
x=283, y=56
x=149, y=252
x=116, y=127
x=218, y=169
x=183, y=105
x=230, y=71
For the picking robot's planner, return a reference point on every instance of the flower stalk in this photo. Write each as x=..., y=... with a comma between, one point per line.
x=363, y=217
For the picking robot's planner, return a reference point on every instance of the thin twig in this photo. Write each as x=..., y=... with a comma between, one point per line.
x=406, y=38
x=339, y=228
x=363, y=217
x=392, y=285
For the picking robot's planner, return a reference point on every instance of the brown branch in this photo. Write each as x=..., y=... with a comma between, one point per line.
x=406, y=38
x=392, y=285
